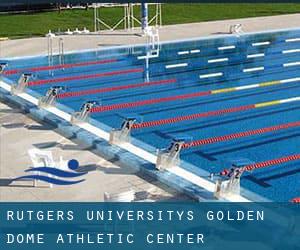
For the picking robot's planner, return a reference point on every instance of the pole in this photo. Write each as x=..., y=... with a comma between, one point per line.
x=95, y=17
x=144, y=9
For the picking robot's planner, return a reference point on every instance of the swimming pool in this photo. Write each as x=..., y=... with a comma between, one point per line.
x=232, y=98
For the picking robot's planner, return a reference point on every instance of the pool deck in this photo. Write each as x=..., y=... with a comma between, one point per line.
x=18, y=133
x=37, y=46
x=106, y=176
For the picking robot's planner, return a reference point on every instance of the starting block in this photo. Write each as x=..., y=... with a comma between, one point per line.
x=22, y=84
x=50, y=97
x=122, y=135
x=227, y=188
x=170, y=157
x=3, y=65
x=84, y=113
x=231, y=185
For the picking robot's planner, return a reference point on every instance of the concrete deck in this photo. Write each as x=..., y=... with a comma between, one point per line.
x=18, y=132
x=36, y=46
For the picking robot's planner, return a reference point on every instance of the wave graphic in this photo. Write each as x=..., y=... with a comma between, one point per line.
x=48, y=179
x=55, y=171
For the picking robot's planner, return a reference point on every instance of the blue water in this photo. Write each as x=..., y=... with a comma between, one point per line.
x=280, y=183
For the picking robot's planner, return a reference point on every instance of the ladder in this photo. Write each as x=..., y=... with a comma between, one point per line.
x=153, y=47
x=50, y=53
x=61, y=52
x=153, y=40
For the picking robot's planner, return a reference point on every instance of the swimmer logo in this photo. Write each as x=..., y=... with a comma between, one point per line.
x=72, y=165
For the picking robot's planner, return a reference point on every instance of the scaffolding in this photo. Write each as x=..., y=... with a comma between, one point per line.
x=129, y=20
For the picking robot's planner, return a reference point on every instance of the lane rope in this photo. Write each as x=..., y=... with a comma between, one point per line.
x=65, y=66
x=111, y=89
x=191, y=117
x=263, y=164
x=146, y=102
x=160, y=122
x=272, y=162
x=188, y=96
x=240, y=135
x=296, y=200
x=80, y=77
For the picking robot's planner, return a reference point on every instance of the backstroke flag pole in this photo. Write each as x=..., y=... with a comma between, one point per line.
x=144, y=10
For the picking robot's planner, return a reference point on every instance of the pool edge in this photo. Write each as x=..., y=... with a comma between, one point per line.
x=105, y=150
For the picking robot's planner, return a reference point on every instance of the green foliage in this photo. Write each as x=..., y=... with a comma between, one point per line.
x=38, y=24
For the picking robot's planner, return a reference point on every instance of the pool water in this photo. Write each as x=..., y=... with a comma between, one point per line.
x=193, y=77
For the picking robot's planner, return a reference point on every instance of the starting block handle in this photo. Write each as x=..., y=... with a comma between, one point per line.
x=122, y=135
x=169, y=157
x=84, y=113
x=3, y=65
x=50, y=97
x=22, y=83
x=127, y=123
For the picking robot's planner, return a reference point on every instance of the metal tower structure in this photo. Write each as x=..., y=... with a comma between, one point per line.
x=129, y=20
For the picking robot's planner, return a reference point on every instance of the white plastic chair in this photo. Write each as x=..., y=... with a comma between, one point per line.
x=50, y=34
x=77, y=31
x=117, y=226
x=85, y=31
x=40, y=158
x=236, y=29
x=127, y=196
x=69, y=32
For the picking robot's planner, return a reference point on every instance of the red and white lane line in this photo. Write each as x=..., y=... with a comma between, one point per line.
x=272, y=162
x=176, y=119
x=238, y=135
x=82, y=77
x=296, y=200
x=188, y=96
x=65, y=66
x=116, y=88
